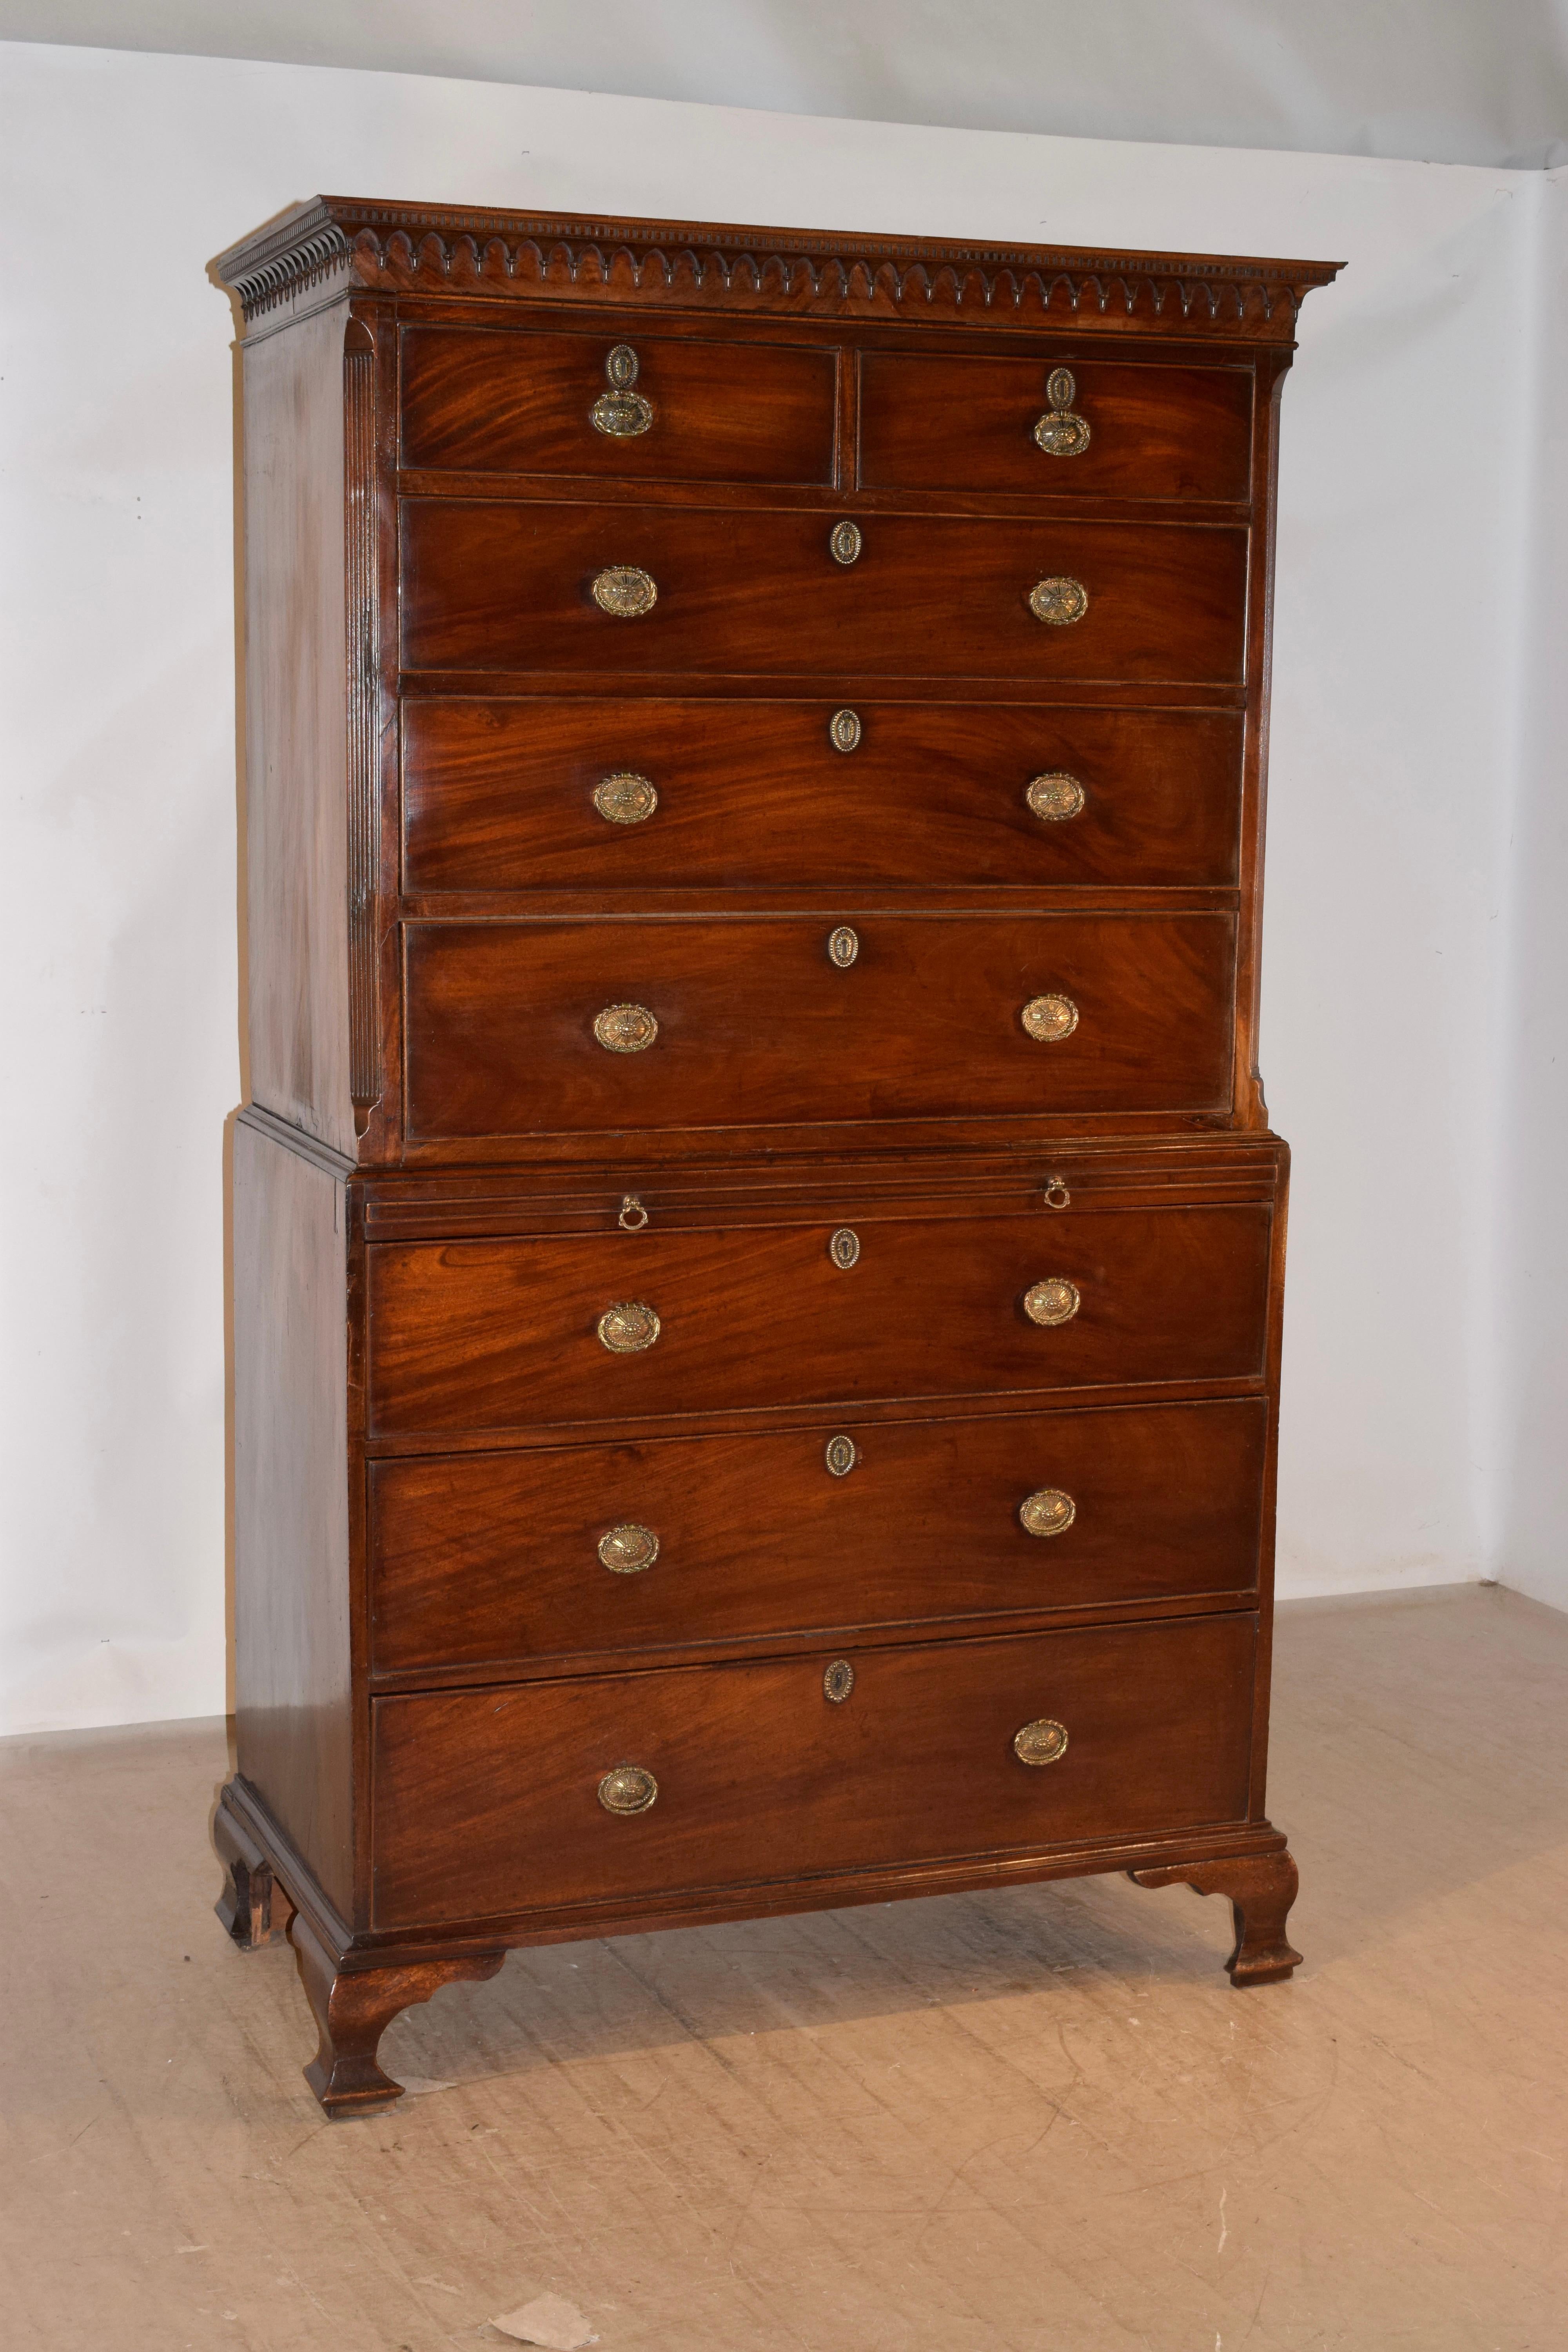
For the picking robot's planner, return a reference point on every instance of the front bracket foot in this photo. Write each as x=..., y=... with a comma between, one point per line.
x=353, y=2008
x=1261, y=1887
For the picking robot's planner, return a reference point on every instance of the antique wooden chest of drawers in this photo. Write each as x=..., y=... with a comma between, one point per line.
x=758, y=1245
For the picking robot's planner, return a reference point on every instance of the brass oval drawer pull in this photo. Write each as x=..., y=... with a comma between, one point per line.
x=625, y=1028
x=1060, y=432
x=843, y=729
x=626, y=798
x=1047, y=1512
x=627, y=591
x=1052, y=798
x=844, y=541
x=629, y=1789
x=628, y=1549
x=837, y=1682
x=1041, y=1742
x=622, y=413
x=841, y=1454
x=1048, y=1018
x=1058, y=601
x=844, y=1248
x=844, y=946
x=628, y=1326
x=1052, y=1301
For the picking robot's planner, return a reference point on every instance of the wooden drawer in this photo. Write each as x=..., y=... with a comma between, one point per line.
x=492, y=1335
x=483, y=1559
x=487, y=1801
x=508, y=401
x=758, y=1024
x=498, y=796
x=966, y=423
x=509, y=586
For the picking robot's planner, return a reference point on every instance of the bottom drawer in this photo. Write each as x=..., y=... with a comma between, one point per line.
x=489, y=1803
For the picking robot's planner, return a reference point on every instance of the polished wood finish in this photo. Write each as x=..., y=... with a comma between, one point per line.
x=767, y=1285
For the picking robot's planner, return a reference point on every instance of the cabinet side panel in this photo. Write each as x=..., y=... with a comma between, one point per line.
x=296, y=729
x=292, y=1667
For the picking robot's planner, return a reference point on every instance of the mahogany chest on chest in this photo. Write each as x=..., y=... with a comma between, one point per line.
x=758, y=1245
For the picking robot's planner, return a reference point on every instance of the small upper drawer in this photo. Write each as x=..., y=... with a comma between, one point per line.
x=1104, y=428
x=647, y=408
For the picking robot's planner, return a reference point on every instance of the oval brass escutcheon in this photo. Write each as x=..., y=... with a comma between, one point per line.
x=844, y=541
x=621, y=413
x=1061, y=433
x=1050, y=1019
x=625, y=798
x=625, y=591
x=1041, y=1742
x=628, y=1327
x=843, y=946
x=625, y=1028
x=841, y=1454
x=1058, y=601
x=1052, y=1301
x=628, y=1549
x=844, y=1249
x=843, y=729
x=1047, y=1512
x=839, y=1681
x=629, y=1789
x=1053, y=798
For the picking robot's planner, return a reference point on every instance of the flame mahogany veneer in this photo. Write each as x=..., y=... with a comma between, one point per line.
x=758, y=1246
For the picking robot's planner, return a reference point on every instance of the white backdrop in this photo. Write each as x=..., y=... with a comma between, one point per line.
x=1406, y=478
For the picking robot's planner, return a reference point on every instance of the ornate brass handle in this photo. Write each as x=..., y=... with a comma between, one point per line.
x=628, y=1549
x=1058, y=601
x=1059, y=432
x=1041, y=1742
x=627, y=591
x=1048, y=1019
x=1051, y=1301
x=1047, y=1512
x=628, y=1327
x=629, y=1789
x=625, y=1028
x=625, y=798
x=1052, y=798
x=621, y=413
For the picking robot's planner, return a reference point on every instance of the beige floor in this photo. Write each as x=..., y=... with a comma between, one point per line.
x=1028, y=2122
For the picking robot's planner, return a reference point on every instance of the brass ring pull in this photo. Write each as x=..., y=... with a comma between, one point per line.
x=625, y=1028
x=1061, y=433
x=1052, y=1301
x=1041, y=1742
x=1047, y=1512
x=625, y=798
x=628, y=1327
x=1052, y=798
x=843, y=946
x=844, y=541
x=1048, y=1018
x=1057, y=1194
x=1058, y=601
x=633, y=1216
x=621, y=413
x=625, y=592
x=627, y=1790
x=628, y=1549
x=841, y=1454
x=844, y=1248
x=843, y=729
x=837, y=1682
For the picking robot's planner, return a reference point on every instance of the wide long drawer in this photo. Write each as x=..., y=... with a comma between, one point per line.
x=497, y=1800
x=538, y=586
x=590, y=1023
x=483, y=1559
x=655, y=793
x=491, y=1335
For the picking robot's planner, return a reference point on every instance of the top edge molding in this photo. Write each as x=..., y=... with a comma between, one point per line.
x=440, y=252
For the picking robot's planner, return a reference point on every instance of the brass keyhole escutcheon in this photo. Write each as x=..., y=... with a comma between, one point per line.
x=625, y=798
x=844, y=1248
x=1053, y=798
x=628, y=1549
x=1057, y=600
x=837, y=1682
x=844, y=541
x=621, y=413
x=1041, y=1742
x=1053, y=1301
x=627, y=1790
x=625, y=1028
x=625, y=591
x=843, y=729
x=628, y=1327
x=841, y=1454
x=843, y=946
x=1060, y=432
x=1050, y=1019
x=1048, y=1512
